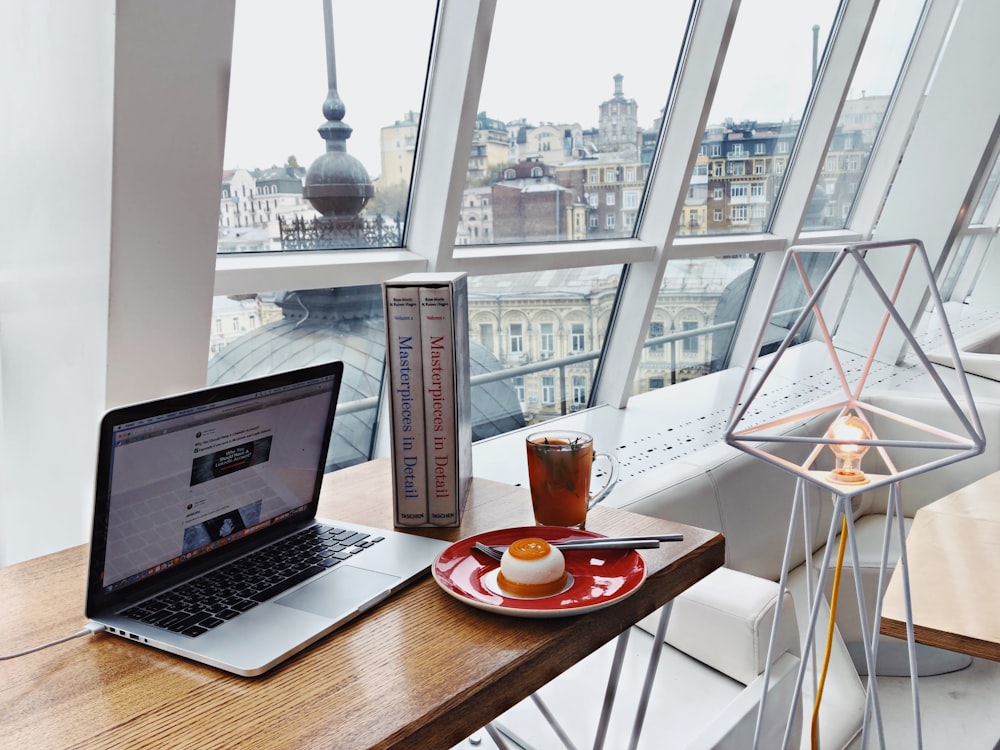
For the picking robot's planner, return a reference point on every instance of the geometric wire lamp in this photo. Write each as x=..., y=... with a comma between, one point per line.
x=846, y=430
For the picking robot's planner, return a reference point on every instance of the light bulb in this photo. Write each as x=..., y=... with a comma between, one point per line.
x=849, y=454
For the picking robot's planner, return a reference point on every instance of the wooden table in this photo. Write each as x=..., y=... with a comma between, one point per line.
x=953, y=549
x=422, y=670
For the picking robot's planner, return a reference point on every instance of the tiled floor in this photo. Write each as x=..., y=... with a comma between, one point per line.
x=958, y=711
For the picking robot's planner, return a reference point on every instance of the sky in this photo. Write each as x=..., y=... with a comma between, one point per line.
x=548, y=61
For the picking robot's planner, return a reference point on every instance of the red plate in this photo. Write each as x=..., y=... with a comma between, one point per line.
x=600, y=577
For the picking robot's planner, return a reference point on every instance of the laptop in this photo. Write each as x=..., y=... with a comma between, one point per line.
x=205, y=540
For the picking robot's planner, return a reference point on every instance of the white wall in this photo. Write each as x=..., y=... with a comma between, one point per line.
x=55, y=117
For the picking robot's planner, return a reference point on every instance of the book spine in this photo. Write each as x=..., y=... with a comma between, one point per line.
x=463, y=389
x=409, y=461
x=438, y=350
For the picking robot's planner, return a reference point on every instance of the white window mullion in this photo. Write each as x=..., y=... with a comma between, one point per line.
x=461, y=42
x=247, y=273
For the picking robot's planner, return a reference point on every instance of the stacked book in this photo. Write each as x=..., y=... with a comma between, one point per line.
x=427, y=353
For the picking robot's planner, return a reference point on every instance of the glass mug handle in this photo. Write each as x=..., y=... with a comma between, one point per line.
x=596, y=497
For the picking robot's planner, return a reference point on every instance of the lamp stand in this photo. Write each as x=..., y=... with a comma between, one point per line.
x=815, y=594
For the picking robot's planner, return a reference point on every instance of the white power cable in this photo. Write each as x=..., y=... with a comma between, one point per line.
x=91, y=629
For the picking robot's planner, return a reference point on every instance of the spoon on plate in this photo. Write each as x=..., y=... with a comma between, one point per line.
x=646, y=542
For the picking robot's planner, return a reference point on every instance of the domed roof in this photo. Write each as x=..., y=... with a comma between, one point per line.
x=320, y=326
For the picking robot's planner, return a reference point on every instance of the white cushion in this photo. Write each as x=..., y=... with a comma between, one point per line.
x=725, y=622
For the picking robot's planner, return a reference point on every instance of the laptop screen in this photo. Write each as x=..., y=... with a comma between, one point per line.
x=183, y=476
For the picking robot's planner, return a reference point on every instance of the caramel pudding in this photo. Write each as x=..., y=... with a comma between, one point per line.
x=531, y=568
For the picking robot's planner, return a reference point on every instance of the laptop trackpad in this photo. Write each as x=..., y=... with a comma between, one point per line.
x=342, y=591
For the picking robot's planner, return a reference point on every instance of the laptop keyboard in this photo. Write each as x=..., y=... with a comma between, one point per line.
x=208, y=601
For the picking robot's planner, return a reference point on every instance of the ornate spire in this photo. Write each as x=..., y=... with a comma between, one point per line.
x=337, y=184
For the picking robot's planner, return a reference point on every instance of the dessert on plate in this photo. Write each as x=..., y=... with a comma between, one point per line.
x=531, y=567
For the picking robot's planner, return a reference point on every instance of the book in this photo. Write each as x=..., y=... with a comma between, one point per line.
x=406, y=405
x=444, y=333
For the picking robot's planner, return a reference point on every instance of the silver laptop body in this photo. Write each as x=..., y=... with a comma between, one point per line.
x=205, y=540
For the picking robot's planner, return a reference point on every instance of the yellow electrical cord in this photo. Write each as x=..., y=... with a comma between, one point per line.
x=829, y=633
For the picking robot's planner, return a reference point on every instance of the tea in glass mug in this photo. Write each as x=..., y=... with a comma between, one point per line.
x=559, y=470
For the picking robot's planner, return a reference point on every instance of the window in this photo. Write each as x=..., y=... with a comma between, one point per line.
x=609, y=198
x=578, y=342
x=519, y=389
x=548, y=390
x=486, y=336
x=609, y=221
x=579, y=391
x=130, y=367
x=594, y=199
x=546, y=339
x=862, y=113
x=630, y=199
x=764, y=111
x=738, y=214
x=738, y=190
x=717, y=193
x=655, y=383
x=655, y=331
x=516, y=338
x=690, y=342
x=277, y=151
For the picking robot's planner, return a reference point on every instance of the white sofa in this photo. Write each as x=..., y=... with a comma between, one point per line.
x=749, y=500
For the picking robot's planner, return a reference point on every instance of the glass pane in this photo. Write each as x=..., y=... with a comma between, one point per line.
x=568, y=122
x=861, y=118
x=986, y=197
x=286, y=186
x=755, y=116
x=957, y=258
x=534, y=343
x=792, y=298
x=695, y=317
x=258, y=334
x=535, y=340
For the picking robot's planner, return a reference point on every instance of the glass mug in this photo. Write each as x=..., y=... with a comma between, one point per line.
x=559, y=469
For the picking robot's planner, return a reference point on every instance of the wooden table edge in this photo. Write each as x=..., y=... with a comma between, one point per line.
x=961, y=644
